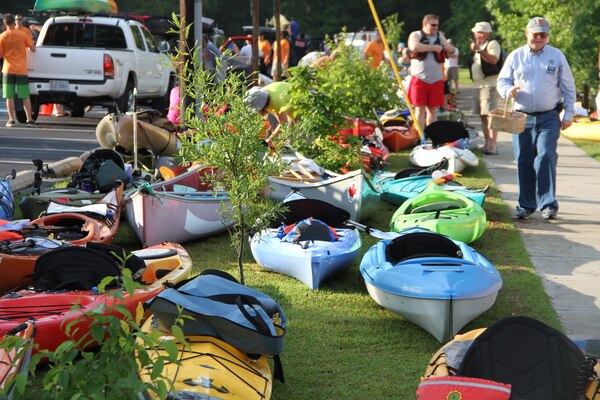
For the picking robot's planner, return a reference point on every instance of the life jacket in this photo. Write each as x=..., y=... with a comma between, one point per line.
x=439, y=57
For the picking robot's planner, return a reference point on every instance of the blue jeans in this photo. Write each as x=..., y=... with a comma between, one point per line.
x=536, y=156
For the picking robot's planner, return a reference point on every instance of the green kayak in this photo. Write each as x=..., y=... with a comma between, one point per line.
x=438, y=210
x=92, y=6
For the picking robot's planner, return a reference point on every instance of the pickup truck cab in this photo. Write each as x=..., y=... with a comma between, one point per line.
x=98, y=60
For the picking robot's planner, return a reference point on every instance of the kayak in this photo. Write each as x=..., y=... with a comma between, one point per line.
x=33, y=206
x=210, y=369
x=397, y=191
x=18, y=257
x=7, y=201
x=68, y=277
x=438, y=210
x=310, y=242
x=14, y=359
x=583, y=128
x=435, y=282
x=537, y=361
x=79, y=225
x=458, y=159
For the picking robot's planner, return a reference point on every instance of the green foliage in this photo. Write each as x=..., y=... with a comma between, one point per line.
x=123, y=349
x=230, y=142
x=324, y=96
x=393, y=30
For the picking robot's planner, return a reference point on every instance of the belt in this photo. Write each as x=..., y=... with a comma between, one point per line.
x=559, y=108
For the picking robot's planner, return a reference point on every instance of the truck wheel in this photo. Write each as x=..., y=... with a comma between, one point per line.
x=20, y=112
x=125, y=102
x=162, y=103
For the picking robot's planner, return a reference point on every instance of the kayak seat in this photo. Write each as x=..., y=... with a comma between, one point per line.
x=539, y=362
x=438, y=206
x=421, y=244
x=155, y=271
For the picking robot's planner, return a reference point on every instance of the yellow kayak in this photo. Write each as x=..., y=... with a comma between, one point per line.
x=583, y=128
x=212, y=368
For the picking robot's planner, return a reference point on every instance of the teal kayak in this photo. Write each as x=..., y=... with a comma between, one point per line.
x=92, y=6
x=438, y=210
x=397, y=191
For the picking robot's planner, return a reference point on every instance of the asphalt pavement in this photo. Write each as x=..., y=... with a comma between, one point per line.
x=565, y=251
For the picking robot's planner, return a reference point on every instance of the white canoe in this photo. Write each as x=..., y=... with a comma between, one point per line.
x=178, y=210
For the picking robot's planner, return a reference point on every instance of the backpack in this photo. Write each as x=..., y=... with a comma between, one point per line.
x=221, y=307
x=99, y=172
x=490, y=69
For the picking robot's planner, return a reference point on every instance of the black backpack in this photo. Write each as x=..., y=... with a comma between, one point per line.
x=490, y=69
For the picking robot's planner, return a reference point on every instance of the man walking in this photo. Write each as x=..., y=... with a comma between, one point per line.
x=539, y=78
x=14, y=43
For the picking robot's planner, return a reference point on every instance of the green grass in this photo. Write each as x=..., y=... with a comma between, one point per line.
x=591, y=148
x=340, y=344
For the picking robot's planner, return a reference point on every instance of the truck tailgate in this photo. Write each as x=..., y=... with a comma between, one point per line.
x=58, y=63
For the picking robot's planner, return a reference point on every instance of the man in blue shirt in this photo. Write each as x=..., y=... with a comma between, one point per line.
x=539, y=79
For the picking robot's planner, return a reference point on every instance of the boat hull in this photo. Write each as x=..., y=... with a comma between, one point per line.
x=583, y=128
x=397, y=191
x=54, y=311
x=176, y=216
x=212, y=369
x=457, y=216
x=353, y=192
x=458, y=159
x=310, y=262
x=441, y=293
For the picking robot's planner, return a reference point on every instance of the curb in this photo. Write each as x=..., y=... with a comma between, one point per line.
x=61, y=168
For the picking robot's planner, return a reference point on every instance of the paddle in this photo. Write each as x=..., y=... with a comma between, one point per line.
x=373, y=232
x=7, y=247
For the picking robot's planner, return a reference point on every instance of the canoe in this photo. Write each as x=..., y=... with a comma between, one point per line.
x=7, y=201
x=14, y=360
x=18, y=257
x=79, y=225
x=397, y=191
x=583, y=128
x=458, y=159
x=67, y=277
x=438, y=210
x=310, y=251
x=178, y=210
x=435, y=282
x=532, y=357
x=155, y=135
x=210, y=369
x=353, y=191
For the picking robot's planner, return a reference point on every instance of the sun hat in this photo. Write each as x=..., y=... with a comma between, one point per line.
x=257, y=98
x=538, y=25
x=482, y=27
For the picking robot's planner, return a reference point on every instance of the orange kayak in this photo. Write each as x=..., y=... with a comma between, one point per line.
x=79, y=225
x=15, y=358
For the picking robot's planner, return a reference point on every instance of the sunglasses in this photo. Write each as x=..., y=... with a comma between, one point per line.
x=434, y=24
x=542, y=35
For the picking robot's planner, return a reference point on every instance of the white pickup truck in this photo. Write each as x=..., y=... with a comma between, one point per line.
x=98, y=60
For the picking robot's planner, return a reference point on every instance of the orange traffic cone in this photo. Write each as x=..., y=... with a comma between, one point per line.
x=46, y=109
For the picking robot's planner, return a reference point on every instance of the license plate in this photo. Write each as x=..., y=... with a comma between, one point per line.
x=59, y=85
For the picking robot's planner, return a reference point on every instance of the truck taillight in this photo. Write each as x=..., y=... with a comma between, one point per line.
x=109, y=67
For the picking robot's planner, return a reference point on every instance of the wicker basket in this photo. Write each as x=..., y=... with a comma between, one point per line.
x=507, y=121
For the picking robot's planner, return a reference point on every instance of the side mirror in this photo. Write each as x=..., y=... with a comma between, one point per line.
x=164, y=46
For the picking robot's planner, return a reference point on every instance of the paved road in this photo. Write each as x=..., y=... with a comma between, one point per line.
x=56, y=138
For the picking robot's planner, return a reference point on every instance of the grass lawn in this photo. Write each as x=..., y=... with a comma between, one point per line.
x=340, y=343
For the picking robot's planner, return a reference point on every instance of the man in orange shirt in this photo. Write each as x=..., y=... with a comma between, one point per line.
x=14, y=43
x=265, y=46
x=374, y=52
x=285, y=54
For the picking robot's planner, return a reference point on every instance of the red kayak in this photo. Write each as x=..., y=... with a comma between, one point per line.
x=68, y=277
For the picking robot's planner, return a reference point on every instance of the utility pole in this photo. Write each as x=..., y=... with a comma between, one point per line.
x=255, y=34
x=277, y=13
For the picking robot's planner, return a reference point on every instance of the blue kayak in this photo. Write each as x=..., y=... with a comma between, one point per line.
x=310, y=242
x=435, y=282
x=7, y=201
